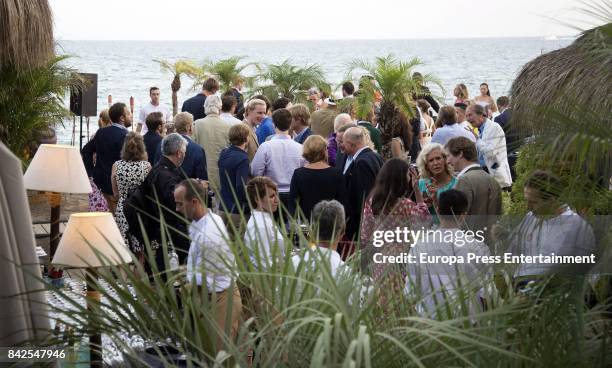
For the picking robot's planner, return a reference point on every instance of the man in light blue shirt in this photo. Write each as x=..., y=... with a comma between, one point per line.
x=278, y=157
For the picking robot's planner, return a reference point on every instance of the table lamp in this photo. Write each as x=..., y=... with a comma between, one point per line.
x=92, y=240
x=56, y=169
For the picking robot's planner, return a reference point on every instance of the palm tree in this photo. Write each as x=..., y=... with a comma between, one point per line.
x=227, y=71
x=32, y=101
x=391, y=78
x=291, y=81
x=177, y=69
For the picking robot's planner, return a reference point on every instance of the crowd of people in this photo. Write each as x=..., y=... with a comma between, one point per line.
x=252, y=169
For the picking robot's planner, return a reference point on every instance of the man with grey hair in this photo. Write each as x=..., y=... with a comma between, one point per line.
x=212, y=133
x=194, y=164
x=328, y=224
x=360, y=169
x=333, y=151
x=161, y=180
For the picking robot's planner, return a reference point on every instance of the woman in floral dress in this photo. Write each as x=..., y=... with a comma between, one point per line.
x=389, y=207
x=127, y=174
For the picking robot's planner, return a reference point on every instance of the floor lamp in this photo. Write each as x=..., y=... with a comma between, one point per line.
x=56, y=169
x=92, y=240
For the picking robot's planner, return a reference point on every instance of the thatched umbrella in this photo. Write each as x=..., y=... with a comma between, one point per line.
x=26, y=31
x=577, y=75
x=563, y=100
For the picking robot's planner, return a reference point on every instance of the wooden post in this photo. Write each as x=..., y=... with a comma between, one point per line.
x=95, y=338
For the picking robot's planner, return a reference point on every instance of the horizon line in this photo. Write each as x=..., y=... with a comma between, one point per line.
x=559, y=37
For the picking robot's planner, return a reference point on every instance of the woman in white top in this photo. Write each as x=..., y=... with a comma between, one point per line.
x=263, y=238
x=485, y=99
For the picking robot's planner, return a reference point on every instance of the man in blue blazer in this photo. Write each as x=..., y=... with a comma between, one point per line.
x=106, y=144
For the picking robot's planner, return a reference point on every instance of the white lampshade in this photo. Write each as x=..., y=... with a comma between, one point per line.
x=88, y=231
x=57, y=168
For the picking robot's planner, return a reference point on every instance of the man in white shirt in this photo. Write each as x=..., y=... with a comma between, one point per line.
x=210, y=258
x=550, y=227
x=152, y=106
x=228, y=109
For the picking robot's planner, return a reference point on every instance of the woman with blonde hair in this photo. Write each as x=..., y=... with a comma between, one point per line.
x=461, y=94
x=127, y=174
x=436, y=174
x=316, y=181
x=104, y=119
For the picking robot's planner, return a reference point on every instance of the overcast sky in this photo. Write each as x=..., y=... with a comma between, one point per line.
x=312, y=19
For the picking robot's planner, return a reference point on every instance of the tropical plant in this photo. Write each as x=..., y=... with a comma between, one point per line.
x=290, y=81
x=229, y=72
x=393, y=81
x=177, y=69
x=32, y=101
x=306, y=316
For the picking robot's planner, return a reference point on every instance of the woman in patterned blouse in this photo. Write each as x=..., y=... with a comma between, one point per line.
x=388, y=208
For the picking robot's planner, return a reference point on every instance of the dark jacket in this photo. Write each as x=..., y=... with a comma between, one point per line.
x=426, y=95
x=359, y=179
x=239, y=103
x=340, y=160
x=503, y=120
x=106, y=144
x=194, y=164
x=233, y=173
x=152, y=140
x=162, y=180
x=415, y=147
x=195, y=106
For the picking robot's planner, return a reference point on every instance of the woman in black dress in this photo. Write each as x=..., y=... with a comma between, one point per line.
x=316, y=181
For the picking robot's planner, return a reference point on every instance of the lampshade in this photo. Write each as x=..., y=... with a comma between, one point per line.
x=57, y=168
x=88, y=231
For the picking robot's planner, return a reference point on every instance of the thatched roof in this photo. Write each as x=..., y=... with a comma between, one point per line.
x=26, y=31
x=577, y=75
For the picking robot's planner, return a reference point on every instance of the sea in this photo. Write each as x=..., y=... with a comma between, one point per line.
x=128, y=69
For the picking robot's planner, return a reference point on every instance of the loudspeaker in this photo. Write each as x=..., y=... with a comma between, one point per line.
x=85, y=103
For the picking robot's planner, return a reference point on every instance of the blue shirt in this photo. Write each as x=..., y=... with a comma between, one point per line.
x=233, y=175
x=481, y=159
x=447, y=132
x=265, y=129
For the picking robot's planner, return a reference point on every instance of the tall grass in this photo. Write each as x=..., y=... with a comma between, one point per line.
x=309, y=317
